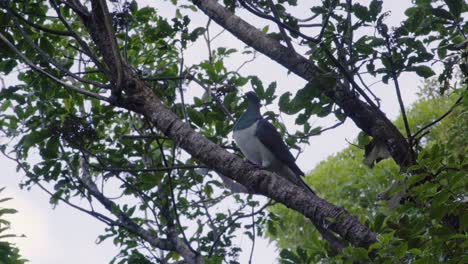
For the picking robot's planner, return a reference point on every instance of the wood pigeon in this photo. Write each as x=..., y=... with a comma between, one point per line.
x=262, y=145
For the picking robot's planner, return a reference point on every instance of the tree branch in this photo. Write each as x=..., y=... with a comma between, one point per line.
x=459, y=100
x=86, y=49
x=281, y=29
x=99, y=26
x=113, y=169
x=314, y=133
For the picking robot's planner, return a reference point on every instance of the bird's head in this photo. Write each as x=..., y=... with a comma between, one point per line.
x=252, y=98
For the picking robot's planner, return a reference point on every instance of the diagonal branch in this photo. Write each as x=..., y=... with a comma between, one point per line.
x=459, y=100
x=281, y=29
x=99, y=26
x=86, y=49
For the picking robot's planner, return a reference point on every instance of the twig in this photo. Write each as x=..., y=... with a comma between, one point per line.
x=254, y=56
x=400, y=100
x=206, y=36
x=349, y=27
x=310, y=25
x=217, y=35
x=124, y=220
x=377, y=100
x=459, y=100
x=234, y=220
x=253, y=236
x=281, y=29
x=31, y=175
x=171, y=187
x=325, y=22
x=167, y=78
x=352, y=144
x=181, y=90
x=314, y=133
x=218, y=102
x=77, y=7
x=144, y=137
x=308, y=18
x=170, y=168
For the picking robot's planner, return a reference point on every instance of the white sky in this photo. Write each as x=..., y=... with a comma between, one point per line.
x=65, y=235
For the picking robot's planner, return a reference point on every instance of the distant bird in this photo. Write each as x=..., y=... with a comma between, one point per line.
x=262, y=145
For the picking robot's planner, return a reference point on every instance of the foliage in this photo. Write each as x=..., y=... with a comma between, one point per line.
x=66, y=129
x=431, y=225
x=9, y=253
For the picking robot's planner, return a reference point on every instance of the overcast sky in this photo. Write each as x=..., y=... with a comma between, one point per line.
x=64, y=235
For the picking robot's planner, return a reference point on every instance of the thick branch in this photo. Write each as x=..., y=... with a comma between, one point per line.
x=99, y=26
x=84, y=46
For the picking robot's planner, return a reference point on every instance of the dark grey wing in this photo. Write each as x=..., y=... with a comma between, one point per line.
x=268, y=135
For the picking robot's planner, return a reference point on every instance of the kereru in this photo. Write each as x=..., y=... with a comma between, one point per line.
x=262, y=145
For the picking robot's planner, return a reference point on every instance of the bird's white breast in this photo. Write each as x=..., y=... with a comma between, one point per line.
x=252, y=148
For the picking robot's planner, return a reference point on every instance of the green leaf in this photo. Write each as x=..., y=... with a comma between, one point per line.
x=284, y=102
x=375, y=8
x=46, y=46
x=7, y=66
x=51, y=149
x=423, y=71
x=442, y=13
x=361, y=12
x=400, y=250
x=196, y=33
x=270, y=91
x=33, y=138
x=455, y=6
x=5, y=199
x=363, y=139
x=289, y=256
x=257, y=86
x=4, y=211
x=196, y=117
